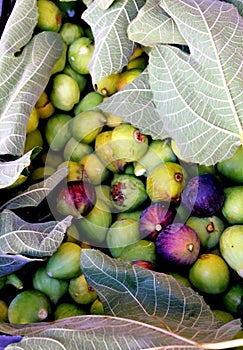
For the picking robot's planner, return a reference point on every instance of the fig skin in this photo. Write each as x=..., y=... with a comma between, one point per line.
x=203, y=195
x=232, y=208
x=154, y=219
x=178, y=244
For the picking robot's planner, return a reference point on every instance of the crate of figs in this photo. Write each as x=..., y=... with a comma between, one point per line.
x=121, y=174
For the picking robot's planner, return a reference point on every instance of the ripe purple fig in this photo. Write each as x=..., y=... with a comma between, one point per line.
x=77, y=198
x=178, y=244
x=203, y=195
x=154, y=219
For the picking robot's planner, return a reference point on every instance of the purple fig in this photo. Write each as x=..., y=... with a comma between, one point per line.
x=203, y=195
x=178, y=244
x=154, y=219
x=77, y=198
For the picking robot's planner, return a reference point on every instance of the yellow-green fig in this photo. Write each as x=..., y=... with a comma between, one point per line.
x=80, y=291
x=108, y=85
x=49, y=16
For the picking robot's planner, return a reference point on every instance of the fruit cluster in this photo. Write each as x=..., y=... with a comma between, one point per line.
x=131, y=196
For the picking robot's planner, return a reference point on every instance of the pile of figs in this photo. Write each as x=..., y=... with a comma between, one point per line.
x=131, y=196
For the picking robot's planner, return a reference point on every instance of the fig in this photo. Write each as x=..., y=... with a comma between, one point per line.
x=166, y=182
x=65, y=92
x=33, y=121
x=88, y=102
x=135, y=215
x=79, y=78
x=127, y=192
x=44, y=106
x=61, y=62
x=94, y=168
x=129, y=143
x=159, y=151
x=154, y=219
x=178, y=244
x=65, y=310
x=49, y=16
x=14, y=281
x=77, y=198
x=70, y=32
x=94, y=226
x=144, y=264
x=231, y=247
x=97, y=308
x=80, y=53
x=51, y=287
x=121, y=234
x=3, y=311
x=223, y=316
x=75, y=150
x=29, y=306
x=137, y=63
x=80, y=291
x=177, y=152
x=108, y=85
x=140, y=250
x=87, y=125
x=41, y=173
x=232, y=168
x=232, y=208
x=138, y=51
x=203, y=195
x=208, y=229
x=210, y=274
x=104, y=149
x=180, y=278
x=57, y=131
x=103, y=193
x=65, y=262
x=33, y=139
x=232, y=298
x=112, y=120
x=127, y=77
x=75, y=171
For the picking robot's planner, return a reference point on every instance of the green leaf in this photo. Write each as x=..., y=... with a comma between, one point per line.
x=154, y=298
x=36, y=193
x=238, y=4
x=104, y=4
x=199, y=95
x=109, y=27
x=12, y=263
x=153, y=25
x=18, y=237
x=23, y=73
x=134, y=104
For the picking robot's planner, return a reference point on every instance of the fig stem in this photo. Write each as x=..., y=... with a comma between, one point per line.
x=224, y=344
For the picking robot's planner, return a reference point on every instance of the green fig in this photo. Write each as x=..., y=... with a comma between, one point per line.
x=208, y=229
x=88, y=102
x=231, y=247
x=210, y=274
x=75, y=150
x=33, y=139
x=50, y=286
x=127, y=77
x=104, y=149
x=57, y=131
x=80, y=53
x=140, y=250
x=29, y=306
x=135, y=215
x=79, y=78
x=232, y=298
x=94, y=168
x=70, y=32
x=61, y=62
x=49, y=16
x=108, y=85
x=94, y=226
x=232, y=168
x=129, y=143
x=166, y=182
x=140, y=62
x=159, y=151
x=112, y=120
x=87, y=125
x=65, y=262
x=232, y=208
x=65, y=92
x=120, y=234
x=103, y=193
x=65, y=310
x=127, y=192
x=223, y=316
x=80, y=291
x=97, y=308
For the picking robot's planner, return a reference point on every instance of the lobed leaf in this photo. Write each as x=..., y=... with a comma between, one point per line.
x=153, y=25
x=109, y=27
x=199, y=95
